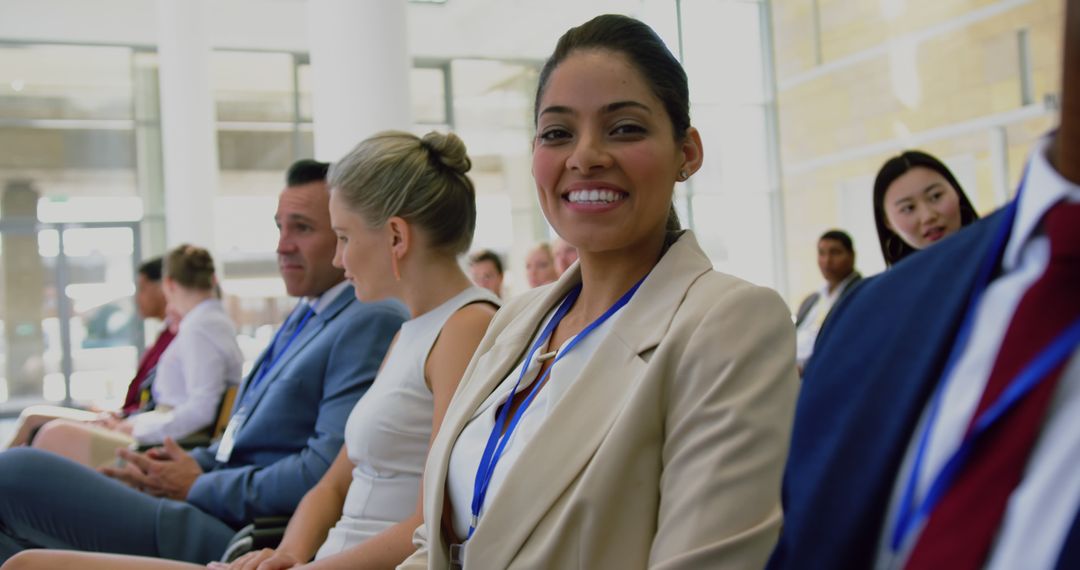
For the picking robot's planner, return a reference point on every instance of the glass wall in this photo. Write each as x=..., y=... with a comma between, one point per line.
x=732, y=203
x=68, y=141
x=492, y=110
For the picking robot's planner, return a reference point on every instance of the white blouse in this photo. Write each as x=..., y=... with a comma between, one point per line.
x=191, y=376
x=469, y=447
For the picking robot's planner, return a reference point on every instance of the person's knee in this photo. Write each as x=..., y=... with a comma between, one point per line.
x=24, y=560
x=55, y=434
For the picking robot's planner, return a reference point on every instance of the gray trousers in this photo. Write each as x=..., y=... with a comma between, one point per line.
x=47, y=501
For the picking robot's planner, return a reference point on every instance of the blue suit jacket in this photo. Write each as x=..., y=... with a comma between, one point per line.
x=296, y=423
x=875, y=365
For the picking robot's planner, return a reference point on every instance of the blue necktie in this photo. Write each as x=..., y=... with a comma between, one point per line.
x=281, y=341
x=286, y=334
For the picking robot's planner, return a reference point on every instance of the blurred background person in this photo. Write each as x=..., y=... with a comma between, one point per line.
x=917, y=202
x=150, y=303
x=487, y=271
x=540, y=266
x=565, y=255
x=836, y=260
x=188, y=383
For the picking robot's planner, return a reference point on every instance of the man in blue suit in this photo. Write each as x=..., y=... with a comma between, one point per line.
x=937, y=425
x=287, y=425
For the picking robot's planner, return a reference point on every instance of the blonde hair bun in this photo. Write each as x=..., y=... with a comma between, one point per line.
x=448, y=149
x=420, y=179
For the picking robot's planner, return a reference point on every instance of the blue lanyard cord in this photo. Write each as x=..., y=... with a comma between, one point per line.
x=271, y=358
x=497, y=440
x=909, y=514
x=905, y=519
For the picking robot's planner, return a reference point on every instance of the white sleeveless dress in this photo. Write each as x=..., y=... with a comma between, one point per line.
x=389, y=429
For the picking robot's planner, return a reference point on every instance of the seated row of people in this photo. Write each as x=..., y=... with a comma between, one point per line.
x=287, y=425
x=150, y=303
x=544, y=264
x=618, y=360
x=635, y=413
x=180, y=382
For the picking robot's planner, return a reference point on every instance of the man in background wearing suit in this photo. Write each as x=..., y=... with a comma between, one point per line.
x=937, y=425
x=287, y=425
x=836, y=261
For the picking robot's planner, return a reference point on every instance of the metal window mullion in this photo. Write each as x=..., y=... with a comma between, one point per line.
x=63, y=312
x=448, y=95
x=296, y=139
x=1023, y=48
x=772, y=150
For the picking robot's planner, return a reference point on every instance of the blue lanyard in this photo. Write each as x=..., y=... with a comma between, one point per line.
x=909, y=514
x=271, y=358
x=497, y=440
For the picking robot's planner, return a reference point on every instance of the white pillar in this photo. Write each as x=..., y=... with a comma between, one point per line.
x=188, y=130
x=360, y=71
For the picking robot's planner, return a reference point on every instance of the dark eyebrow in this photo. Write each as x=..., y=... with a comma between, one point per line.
x=296, y=218
x=618, y=105
x=557, y=109
x=931, y=187
x=609, y=108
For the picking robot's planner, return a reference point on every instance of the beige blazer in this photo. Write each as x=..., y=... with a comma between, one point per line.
x=667, y=452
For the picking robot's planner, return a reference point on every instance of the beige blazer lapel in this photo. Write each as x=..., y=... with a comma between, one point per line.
x=488, y=369
x=580, y=422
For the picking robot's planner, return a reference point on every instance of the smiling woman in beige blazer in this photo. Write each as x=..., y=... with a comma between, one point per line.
x=660, y=439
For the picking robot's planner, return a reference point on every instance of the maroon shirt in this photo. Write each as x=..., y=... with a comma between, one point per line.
x=147, y=363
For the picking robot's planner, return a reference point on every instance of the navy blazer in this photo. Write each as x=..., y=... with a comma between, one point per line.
x=296, y=425
x=876, y=363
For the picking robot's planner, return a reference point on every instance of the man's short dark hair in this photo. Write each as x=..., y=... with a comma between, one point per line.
x=151, y=269
x=840, y=236
x=306, y=171
x=488, y=255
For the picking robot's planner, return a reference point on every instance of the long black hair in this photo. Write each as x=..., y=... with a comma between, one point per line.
x=893, y=248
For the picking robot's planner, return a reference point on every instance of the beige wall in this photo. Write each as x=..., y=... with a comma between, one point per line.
x=877, y=76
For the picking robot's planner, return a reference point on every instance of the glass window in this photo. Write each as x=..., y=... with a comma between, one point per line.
x=493, y=115
x=722, y=51
x=65, y=82
x=70, y=314
x=731, y=196
x=428, y=85
x=69, y=152
x=303, y=85
x=250, y=86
